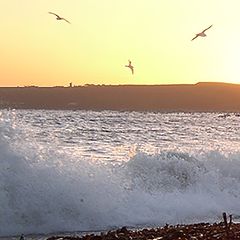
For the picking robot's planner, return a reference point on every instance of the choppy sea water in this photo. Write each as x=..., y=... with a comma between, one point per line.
x=71, y=171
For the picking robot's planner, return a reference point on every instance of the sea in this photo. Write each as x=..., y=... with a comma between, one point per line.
x=91, y=171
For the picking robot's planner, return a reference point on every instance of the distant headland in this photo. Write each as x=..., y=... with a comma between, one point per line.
x=200, y=97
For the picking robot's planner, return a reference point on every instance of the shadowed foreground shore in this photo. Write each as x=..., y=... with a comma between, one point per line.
x=220, y=231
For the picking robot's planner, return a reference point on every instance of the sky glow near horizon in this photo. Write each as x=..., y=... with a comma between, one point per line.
x=156, y=35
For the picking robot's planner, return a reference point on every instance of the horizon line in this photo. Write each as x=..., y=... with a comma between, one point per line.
x=122, y=85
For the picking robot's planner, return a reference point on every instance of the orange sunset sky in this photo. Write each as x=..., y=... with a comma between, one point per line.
x=156, y=35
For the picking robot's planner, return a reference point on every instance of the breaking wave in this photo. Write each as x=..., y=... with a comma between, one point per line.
x=44, y=189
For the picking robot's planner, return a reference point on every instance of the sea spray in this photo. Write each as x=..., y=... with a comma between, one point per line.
x=45, y=187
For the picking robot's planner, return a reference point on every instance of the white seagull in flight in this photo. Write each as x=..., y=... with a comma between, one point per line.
x=130, y=66
x=201, y=34
x=59, y=18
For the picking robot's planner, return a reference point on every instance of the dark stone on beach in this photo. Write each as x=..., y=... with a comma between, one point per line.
x=123, y=230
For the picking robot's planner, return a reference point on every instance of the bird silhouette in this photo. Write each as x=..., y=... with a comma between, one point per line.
x=130, y=66
x=201, y=34
x=59, y=18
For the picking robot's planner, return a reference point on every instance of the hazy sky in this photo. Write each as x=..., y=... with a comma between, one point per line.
x=156, y=35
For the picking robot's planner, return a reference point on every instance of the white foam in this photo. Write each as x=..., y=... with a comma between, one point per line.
x=43, y=189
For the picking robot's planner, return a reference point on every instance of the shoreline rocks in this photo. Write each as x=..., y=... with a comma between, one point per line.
x=202, y=231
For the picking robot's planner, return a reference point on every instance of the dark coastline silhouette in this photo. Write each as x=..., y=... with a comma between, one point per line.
x=211, y=97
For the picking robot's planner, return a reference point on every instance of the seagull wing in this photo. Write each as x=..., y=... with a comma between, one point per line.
x=194, y=37
x=66, y=20
x=132, y=70
x=206, y=29
x=54, y=14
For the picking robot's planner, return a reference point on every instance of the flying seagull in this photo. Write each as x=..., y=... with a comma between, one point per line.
x=201, y=34
x=130, y=66
x=58, y=17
